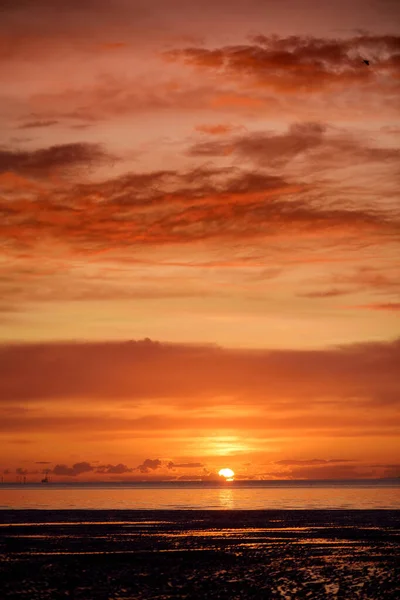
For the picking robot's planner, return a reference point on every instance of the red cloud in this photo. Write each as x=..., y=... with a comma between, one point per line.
x=187, y=206
x=299, y=63
x=54, y=160
x=352, y=390
x=391, y=306
x=301, y=139
x=330, y=293
x=218, y=129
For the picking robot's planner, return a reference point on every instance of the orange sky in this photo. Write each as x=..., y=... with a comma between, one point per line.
x=199, y=239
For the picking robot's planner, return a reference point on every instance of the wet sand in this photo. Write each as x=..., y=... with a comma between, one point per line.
x=121, y=555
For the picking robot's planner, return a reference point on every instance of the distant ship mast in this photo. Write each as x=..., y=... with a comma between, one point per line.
x=46, y=478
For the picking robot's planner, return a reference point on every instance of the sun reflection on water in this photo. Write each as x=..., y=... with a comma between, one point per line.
x=226, y=499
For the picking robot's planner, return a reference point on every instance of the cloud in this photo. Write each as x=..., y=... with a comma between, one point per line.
x=390, y=471
x=38, y=124
x=114, y=45
x=326, y=471
x=39, y=5
x=118, y=469
x=217, y=129
x=341, y=391
x=74, y=471
x=190, y=465
x=172, y=207
x=266, y=148
x=42, y=371
x=389, y=306
x=211, y=476
x=325, y=147
x=299, y=63
x=58, y=160
x=375, y=280
x=313, y=461
x=329, y=293
x=149, y=465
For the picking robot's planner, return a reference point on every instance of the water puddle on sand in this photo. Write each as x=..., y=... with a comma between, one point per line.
x=326, y=542
x=94, y=523
x=232, y=532
x=17, y=554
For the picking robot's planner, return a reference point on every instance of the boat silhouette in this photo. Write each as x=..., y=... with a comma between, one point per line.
x=45, y=479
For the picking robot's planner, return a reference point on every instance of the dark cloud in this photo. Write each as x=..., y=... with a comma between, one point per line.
x=54, y=160
x=200, y=204
x=39, y=5
x=266, y=148
x=332, y=472
x=149, y=465
x=74, y=471
x=390, y=471
x=323, y=471
x=313, y=461
x=114, y=469
x=298, y=63
x=37, y=124
x=190, y=465
x=314, y=140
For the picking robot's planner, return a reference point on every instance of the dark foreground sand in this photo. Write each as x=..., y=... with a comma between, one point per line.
x=110, y=555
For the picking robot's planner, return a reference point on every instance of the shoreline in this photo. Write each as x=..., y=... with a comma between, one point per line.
x=166, y=554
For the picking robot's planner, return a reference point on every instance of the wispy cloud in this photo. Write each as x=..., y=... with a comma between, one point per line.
x=296, y=63
x=344, y=391
x=173, y=207
x=218, y=128
x=56, y=160
x=391, y=306
x=38, y=124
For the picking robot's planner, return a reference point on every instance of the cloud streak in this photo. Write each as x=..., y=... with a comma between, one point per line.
x=301, y=64
x=345, y=391
x=56, y=160
x=174, y=207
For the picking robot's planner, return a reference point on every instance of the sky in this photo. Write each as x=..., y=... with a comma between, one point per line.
x=199, y=239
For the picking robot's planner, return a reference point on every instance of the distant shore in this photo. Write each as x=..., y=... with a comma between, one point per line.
x=146, y=554
x=213, y=483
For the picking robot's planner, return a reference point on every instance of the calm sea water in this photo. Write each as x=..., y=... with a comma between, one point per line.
x=354, y=494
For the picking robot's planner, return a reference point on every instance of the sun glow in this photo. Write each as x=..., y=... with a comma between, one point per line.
x=227, y=473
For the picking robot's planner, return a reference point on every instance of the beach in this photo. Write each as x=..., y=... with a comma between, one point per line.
x=229, y=554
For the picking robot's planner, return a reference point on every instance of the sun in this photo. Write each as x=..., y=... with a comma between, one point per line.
x=227, y=473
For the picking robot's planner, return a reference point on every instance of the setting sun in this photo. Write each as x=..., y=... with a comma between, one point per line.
x=227, y=473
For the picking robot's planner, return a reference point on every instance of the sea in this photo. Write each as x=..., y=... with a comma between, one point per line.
x=228, y=495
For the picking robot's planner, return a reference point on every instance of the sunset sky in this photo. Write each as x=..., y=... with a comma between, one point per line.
x=199, y=239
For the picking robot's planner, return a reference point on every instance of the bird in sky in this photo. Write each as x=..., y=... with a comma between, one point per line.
x=366, y=62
